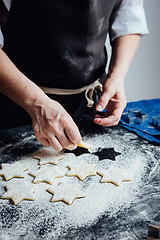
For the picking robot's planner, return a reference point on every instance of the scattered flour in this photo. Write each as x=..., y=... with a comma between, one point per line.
x=44, y=218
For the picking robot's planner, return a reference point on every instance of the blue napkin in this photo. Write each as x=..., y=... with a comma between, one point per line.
x=143, y=118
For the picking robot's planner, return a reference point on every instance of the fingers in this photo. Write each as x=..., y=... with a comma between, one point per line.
x=65, y=141
x=58, y=135
x=73, y=133
x=104, y=99
x=112, y=117
x=69, y=134
x=43, y=141
x=57, y=143
x=54, y=127
x=107, y=121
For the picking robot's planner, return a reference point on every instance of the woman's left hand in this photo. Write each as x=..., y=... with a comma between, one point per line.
x=113, y=100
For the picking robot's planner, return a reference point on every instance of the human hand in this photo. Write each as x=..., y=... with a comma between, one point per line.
x=53, y=126
x=113, y=100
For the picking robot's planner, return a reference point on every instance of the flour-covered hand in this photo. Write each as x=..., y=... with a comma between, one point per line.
x=53, y=126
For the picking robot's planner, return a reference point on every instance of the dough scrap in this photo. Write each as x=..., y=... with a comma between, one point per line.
x=47, y=174
x=81, y=170
x=13, y=170
x=19, y=190
x=83, y=144
x=63, y=191
x=48, y=156
x=113, y=175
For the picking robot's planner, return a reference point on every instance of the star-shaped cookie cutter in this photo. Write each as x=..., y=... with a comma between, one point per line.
x=156, y=122
x=133, y=116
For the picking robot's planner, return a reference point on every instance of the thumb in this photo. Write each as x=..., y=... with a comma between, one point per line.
x=103, y=101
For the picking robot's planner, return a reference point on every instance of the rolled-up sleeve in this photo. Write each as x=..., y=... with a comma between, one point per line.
x=1, y=38
x=128, y=17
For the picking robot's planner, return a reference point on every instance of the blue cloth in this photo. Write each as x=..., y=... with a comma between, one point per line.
x=143, y=118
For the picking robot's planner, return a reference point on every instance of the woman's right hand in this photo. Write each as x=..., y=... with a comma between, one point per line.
x=53, y=126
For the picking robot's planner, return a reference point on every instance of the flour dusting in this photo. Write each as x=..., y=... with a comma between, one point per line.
x=45, y=220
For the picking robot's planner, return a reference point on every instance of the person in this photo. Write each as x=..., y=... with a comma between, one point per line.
x=52, y=55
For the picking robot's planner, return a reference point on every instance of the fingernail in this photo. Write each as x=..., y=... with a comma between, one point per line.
x=96, y=121
x=99, y=108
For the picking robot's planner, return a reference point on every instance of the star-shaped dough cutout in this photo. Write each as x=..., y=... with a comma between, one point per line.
x=81, y=170
x=48, y=156
x=19, y=190
x=13, y=170
x=47, y=174
x=63, y=191
x=113, y=175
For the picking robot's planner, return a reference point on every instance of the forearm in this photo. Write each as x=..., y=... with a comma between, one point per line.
x=113, y=97
x=16, y=85
x=123, y=51
x=52, y=125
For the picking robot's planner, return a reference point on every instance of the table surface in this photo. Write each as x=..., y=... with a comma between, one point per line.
x=125, y=216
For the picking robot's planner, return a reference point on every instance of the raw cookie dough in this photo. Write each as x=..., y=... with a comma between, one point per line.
x=83, y=144
x=81, y=170
x=13, y=170
x=63, y=191
x=47, y=174
x=19, y=190
x=48, y=156
x=113, y=175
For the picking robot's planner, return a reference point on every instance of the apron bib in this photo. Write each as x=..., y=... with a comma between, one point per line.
x=58, y=44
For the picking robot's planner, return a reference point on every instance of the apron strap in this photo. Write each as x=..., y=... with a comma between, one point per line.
x=89, y=90
x=3, y=15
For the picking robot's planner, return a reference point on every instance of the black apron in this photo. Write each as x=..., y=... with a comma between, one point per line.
x=56, y=44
